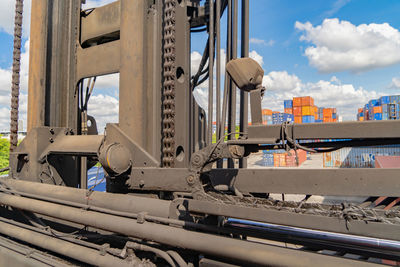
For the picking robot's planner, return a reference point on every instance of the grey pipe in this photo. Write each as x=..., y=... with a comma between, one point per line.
x=358, y=241
x=244, y=251
x=111, y=201
x=65, y=248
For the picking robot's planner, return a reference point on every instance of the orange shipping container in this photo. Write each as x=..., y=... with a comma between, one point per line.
x=378, y=109
x=307, y=111
x=297, y=111
x=298, y=119
x=296, y=101
x=279, y=159
x=360, y=110
x=327, y=119
x=289, y=110
x=327, y=112
x=361, y=119
x=266, y=112
x=307, y=101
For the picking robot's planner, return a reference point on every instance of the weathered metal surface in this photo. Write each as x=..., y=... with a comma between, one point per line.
x=358, y=157
x=101, y=23
x=295, y=219
x=90, y=61
x=83, y=254
x=338, y=182
x=342, y=130
x=240, y=250
x=37, y=64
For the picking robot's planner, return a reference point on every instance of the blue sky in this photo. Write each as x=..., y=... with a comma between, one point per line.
x=342, y=52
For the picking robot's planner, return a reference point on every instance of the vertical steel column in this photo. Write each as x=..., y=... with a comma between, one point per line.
x=232, y=87
x=132, y=116
x=218, y=68
x=210, y=71
x=37, y=63
x=244, y=97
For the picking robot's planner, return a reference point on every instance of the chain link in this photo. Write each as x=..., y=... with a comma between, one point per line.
x=15, y=75
x=168, y=142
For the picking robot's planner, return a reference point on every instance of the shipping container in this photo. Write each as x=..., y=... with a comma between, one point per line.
x=296, y=101
x=288, y=103
x=358, y=157
x=266, y=112
x=297, y=111
x=384, y=100
x=377, y=116
x=327, y=113
x=289, y=110
x=307, y=111
x=308, y=119
x=394, y=99
x=319, y=121
x=298, y=119
x=373, y=103
x=307, y=101
x=377, y=109
x=360, y=110
x=279, y=159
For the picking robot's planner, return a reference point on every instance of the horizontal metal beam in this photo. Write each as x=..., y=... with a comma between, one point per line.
x=334, y=182
x=342, y=130
x=316, y=222
x=98, y=60
x=100, y=22
x=77, y=145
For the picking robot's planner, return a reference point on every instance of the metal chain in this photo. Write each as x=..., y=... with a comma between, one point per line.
x=169, y=78
x=15, y=74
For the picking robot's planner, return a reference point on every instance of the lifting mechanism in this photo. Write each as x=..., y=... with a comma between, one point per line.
x=175, y=197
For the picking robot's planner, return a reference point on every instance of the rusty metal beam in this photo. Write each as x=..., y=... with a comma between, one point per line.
x=342, y=130
x=98, y=60
x=338, y=182
x=101, y=22
x=37, y=64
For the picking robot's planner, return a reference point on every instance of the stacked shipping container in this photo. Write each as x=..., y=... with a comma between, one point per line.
x=300, y=110
x=281, y=158
x=384, y=108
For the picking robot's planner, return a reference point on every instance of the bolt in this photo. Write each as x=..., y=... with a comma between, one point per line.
x=196, y=159
x=190, y=179
x=51, y=140
x=52, y=131
x=141, y=183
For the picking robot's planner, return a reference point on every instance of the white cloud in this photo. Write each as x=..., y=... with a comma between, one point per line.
x=336, y=6
x=345, y=97
x=96, y=3
x=104, y=109
x=342, y=46
x=257, y=41
x=257, y=57
x=281, y=81
x=7, y=13
x=395, y=83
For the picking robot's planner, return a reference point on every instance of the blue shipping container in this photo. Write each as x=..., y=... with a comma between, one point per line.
x=308, y=119
x=358, y=157
x=288, y=103
x=373, y=103
x=394, y=99
x=377, y=116
x=385, y=116
x=384, y=100
x=319, y=121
